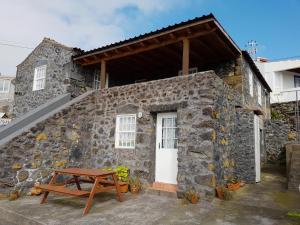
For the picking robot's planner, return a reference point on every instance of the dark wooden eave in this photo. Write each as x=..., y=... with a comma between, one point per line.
x=206, y=32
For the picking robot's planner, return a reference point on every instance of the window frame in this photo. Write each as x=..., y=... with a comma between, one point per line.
x=259, y=95
x=35, y=78
x=295, y=78
x=3, y=89
x=251, y=86
x=117, y=131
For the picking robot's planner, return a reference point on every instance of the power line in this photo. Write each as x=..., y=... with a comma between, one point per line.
x=16, y=46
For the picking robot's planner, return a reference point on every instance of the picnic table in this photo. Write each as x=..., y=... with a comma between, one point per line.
x=100, y=179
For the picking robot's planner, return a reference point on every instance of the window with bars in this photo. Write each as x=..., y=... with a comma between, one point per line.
x=4, y=86
x=39, y=78
x=169, y=133
x=125, y=131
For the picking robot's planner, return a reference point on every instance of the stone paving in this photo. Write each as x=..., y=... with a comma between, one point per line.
x=266, y=203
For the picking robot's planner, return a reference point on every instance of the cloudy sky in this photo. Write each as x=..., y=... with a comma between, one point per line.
x=90, y=23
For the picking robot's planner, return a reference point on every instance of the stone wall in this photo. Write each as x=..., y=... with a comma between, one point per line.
x=278, y=133
x=83, y=134
x=59, y=72
x=244, y=154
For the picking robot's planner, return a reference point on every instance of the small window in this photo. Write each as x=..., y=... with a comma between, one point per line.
x=259, y=93
x=296, y=81
x=4, y=86
x=39, y=78
x=250, y=76
x=125, y=131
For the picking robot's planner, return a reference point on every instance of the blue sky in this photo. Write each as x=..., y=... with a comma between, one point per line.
x=274, y=24
x=89, y=24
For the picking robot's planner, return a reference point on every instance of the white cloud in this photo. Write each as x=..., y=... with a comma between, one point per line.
x=80, y=23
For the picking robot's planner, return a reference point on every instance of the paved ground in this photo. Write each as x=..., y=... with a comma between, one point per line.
x=266, y=203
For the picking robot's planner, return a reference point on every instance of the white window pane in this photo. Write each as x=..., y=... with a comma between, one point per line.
x=126, y=131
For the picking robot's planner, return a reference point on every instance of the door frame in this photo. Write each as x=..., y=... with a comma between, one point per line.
x=158, y=144
x=257, y=149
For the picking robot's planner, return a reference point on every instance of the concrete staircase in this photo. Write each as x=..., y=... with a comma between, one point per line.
x=37, y=115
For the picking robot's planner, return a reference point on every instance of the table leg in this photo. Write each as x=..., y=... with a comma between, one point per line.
x=77, y=182
x=91, y=196
x=46, y=193
x=119, y=194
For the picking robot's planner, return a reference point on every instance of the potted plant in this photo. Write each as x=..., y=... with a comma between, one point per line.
x=135, y=184
x=122, y=173
x=192, y=196
x=223, y=193
x=233, y=184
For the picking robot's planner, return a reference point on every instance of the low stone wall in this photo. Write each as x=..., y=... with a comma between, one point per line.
x=278, y=133
x=83, y=134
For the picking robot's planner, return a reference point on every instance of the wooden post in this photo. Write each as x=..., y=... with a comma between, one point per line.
x=103, y=74
x=185, y=56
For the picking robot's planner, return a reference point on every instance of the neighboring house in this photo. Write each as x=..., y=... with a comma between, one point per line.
x=46, y=73
x=7, y=90
x=283, y=77
x=183, y=106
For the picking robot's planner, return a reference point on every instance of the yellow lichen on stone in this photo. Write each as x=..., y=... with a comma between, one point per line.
x=222, y=129
x=213, y=136
x=226, y=163
x=59, y=163
x=34, y=165
x=224, y=142
x=41, y=137
x=213, y=181
x=232, y=163
x=211, y=167
x=292, y=136
x=216, y=115
x=57, y=134
x=74, y=136
x=17, y=166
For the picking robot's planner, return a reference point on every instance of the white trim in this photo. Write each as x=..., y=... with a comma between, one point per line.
x=117, y=132
x=259, y=93
x=3, y=91
x=39, y=79
x=250, y=77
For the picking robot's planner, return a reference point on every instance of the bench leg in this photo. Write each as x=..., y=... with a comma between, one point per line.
x=119, y=194
x=46, y=193
x=77, y=182
x=91, y=196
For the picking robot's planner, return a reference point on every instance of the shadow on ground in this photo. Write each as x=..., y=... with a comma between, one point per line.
x=266, y=203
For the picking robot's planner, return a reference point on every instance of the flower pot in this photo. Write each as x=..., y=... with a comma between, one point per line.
x=123, y=187
x=194, y=199
x=234, y=186
x=134, y=189
x=219, y=193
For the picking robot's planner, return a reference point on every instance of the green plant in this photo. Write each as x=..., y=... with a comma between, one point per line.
x=276, y=115
x=233, y=180
x=293, y=214
x=122, y=173
x=192, y=196
x=136, y=182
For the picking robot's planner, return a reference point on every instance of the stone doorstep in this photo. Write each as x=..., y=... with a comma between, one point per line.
x=163, y=189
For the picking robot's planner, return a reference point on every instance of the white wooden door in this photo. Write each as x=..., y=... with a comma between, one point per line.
x=166, y=165
x=257, y=148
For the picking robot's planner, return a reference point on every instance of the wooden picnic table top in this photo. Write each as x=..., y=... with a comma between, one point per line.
x=85, y=172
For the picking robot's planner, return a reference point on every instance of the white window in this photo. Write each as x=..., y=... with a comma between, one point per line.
x=4, y=86
x=39, y=78
x=259, y=93
x=250, y=82
x=125, y=131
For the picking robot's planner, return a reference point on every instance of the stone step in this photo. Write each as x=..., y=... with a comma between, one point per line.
x=153, y=191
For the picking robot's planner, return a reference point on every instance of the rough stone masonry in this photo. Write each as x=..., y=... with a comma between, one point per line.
x=84, y=134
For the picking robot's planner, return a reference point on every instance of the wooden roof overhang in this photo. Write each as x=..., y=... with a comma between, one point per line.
x=205, y=32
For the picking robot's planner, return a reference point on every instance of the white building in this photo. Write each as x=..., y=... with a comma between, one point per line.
x=7, y=90
x=283, y=77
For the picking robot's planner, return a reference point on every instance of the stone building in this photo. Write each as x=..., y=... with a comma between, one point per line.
x=6, y=94
x=182, y=105
x=46, y=73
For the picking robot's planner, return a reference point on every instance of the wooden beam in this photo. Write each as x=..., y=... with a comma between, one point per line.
x=185, y=56
x=153, y=46
x=103, y=74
